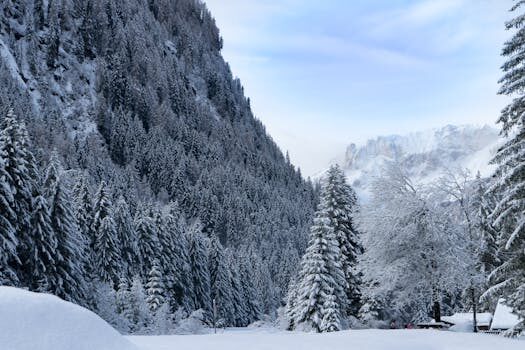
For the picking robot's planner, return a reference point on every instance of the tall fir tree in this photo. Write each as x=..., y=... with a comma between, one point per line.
x=17, y=191
x=155, y=287
x=126, y=238
x=341, y=203
x=42, y=258
x=220, y=278
x=147, y=238
x=508, y=279
x=107, y=263
x=321, y=275
x=199, y=268
x=70, y=265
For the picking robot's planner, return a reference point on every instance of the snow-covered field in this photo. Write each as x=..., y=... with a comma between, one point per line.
x=33, y=321
x=267, y=339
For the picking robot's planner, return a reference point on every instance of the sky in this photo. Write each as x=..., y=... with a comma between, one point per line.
x=323, y=74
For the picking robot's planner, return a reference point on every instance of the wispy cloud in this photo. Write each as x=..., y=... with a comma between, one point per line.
x=323, y=73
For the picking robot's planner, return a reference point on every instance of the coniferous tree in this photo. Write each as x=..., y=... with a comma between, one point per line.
x=331, y=321
x=42, y=264
x=321, y=275
x=155, y=287
x=341, y=203
x=508, y=279
x=126, y=237
x=102, y=207
x=18, y=183
x=199, y=268
x=250, y=295
x=106, y=256
x=70, y=284
x=83, y=206
x=220, y=281
x=147, y=238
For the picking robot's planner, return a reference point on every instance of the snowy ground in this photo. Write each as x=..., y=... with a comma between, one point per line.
x=30, y=321
x=267, y=339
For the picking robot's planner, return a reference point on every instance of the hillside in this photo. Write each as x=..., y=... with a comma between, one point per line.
x=135, y=94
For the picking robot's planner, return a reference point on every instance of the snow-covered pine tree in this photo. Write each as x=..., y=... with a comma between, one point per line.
x=291, y=305
x=182, y=289
x=17, y=191
x=70, y=264
x=155, y=287
x=83, y=206
x=341, y=202
x=199, y=268
x=102, y=207
x=122, y=300
x=41, y=263
x=166, y=223
x=126, y=237
x=140, y=314
x=250, y=294
x=331, y=321
x=147, y=238
x=321, y=274
x=508, y=279
x=8, y=236
x=240, y=315
x=220, y=278
x=107, y=263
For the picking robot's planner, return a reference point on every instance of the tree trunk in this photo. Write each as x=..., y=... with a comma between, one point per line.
x=436, y=309
x=474, y=310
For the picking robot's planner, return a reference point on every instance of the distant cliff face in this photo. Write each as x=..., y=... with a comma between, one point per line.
x=425, y=154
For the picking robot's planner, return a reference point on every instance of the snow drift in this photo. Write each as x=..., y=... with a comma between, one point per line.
x=30, y=321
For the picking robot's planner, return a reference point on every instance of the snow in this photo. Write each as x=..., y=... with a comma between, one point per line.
x=425, y=154
x=483, y=319
x=270, y=339
x=30, y=321
x=10, y=62
x=503, y=317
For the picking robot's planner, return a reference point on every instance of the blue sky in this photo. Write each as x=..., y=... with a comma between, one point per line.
x=323, y=74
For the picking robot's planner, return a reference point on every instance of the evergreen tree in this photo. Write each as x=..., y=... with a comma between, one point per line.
x=107, y=264
x=341, y=202
x=250, y=294
x=140, y=314
x=84, y=207
x=41, y=263
x=330, y=322
x=155, y=287
x=18, y=172
x=102, y=207
x=220, y=278
x=508, y=279
x=199, y=268
x=122, y=301
x=147, y=238
x=321, y=274
x=240, y=314
x=70, y=265
x=126, y=237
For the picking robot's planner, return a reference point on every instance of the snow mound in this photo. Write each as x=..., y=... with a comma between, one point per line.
x=30, y=321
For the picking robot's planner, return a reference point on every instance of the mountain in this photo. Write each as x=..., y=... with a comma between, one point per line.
x=135, y=94
x=426, y=154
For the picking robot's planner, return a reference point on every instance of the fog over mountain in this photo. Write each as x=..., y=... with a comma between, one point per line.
x=426, y=154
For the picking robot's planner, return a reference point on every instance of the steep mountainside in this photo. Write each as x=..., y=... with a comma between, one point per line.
x=425, y=154
x=135, y=93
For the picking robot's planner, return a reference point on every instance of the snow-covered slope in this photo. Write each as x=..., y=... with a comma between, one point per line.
x=425, y=154
x=30, y=321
